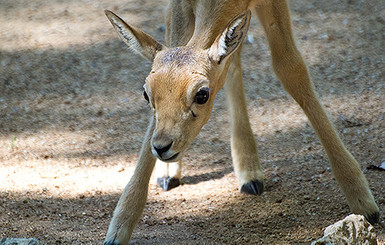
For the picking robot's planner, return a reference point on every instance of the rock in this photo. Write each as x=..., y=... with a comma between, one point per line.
x=354, y=229
x=19, y=241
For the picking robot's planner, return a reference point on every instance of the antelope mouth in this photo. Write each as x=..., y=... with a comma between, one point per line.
x=171, y=159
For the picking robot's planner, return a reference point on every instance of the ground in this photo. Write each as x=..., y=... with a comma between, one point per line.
x=72, y=117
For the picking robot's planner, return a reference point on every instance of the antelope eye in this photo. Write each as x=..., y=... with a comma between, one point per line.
x=202, y=96
x=146, y=96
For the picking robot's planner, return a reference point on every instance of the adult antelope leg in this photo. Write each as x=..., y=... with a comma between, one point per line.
x=243, y=146
x=291, y=70
x=134, y=196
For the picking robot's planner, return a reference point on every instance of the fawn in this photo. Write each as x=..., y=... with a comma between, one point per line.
x=204, y=40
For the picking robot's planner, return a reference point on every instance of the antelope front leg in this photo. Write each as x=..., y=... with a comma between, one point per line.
x=134, y=196
x=291, y=70
x=243, y=146
x=168, y=175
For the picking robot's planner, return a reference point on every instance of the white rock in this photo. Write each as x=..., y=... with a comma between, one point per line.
x=354, y=229
x=19, y=241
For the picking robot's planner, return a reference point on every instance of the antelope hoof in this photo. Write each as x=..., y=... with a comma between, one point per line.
x=167, y=183
x=373, y=218
x=254, y=187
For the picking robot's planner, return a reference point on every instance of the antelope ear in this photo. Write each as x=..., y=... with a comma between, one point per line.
x=135, y=39
x=231, y=38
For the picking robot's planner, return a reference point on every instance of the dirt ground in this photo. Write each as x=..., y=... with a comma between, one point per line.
x=72, y=118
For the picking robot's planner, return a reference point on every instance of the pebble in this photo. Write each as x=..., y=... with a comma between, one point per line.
x=19, y=241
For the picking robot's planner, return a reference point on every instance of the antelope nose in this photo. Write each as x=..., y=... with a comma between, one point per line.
x=160, y=149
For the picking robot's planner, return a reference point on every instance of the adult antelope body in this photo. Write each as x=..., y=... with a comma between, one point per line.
x=204, y=39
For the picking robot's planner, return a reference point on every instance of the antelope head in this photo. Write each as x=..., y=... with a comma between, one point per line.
x=183, y=82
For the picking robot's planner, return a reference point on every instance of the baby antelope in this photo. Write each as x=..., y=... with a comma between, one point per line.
x=204, y=41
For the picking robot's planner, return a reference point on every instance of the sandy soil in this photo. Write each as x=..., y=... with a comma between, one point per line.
x=72, y=118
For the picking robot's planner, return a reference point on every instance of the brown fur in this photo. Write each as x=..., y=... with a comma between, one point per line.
x=208, y=36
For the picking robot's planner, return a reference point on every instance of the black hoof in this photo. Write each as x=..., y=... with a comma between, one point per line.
x=167, y=183
x=254, y=187
x=373, y=218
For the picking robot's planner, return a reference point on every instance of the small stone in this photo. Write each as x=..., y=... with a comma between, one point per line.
x=19, y=241
x=250, y=38
x=354, y=229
